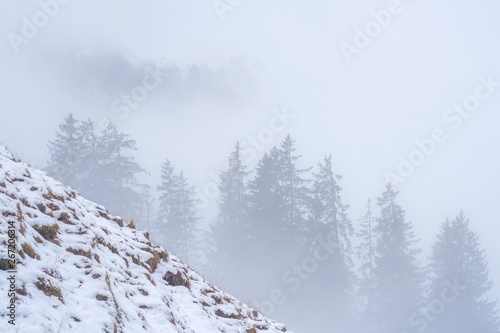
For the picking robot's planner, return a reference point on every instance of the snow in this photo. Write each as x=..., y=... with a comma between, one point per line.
x=102, y=269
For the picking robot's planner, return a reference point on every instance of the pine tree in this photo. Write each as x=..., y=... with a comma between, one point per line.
x=177, y=216
x=330, y=223
x=117, y=176
x=147, y=208
x=97, y=165
x=397, y=275
x=366, y=255
x=66, y=153
x=329, y=214
x=93, y=158
x=167, y=189
x=293, y=190
x=268, y=246
x=265, y=202
x=230, y=229
x=458, y=260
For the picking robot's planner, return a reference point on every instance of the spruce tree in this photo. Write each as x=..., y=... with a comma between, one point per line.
x=366, y=256
x=330, y=224
x=329, y=214
x=397, y=274
x=460, y=273
x=177, y=217
x=265, y=201
x=230, y=228
x=93, y=158
x=66, y=153
x=293, y=190
x=117, y=177
x=267, y=251
x=97, y=164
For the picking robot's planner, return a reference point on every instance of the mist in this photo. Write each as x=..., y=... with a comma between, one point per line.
x=413, y=101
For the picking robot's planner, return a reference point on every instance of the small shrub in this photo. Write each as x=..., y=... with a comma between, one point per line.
x=177, y=279
x=118, y=221
x=53, y=207
x=4, y=264
x=103, y=214
x=151, y=279
x=80, y=252
x=48, y=289
x=49, y=195
x=23, y=290
x=6, y=213
x=41, y=207
x=64, y=217
x=100, y=240
x=222, y=314
x=49, y=232
x=30, y=251
x=20, y=216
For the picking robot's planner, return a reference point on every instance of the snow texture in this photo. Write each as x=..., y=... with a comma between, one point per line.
x=82, y=270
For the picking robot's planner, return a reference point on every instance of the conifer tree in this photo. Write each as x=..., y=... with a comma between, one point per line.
x=93, y=158
x=366, y=255
x=177, y=215
x=66, y=153
x=459, y=267
x=118, y=183
x=230, y=228
x=265, y=201
x=329, y=222
x=293, y=190
x=397, y=274
x=97, y=164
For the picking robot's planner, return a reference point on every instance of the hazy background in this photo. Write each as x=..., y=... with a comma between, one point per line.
x=366, y=113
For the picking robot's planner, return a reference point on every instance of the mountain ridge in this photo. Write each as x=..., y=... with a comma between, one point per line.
x=80, y=269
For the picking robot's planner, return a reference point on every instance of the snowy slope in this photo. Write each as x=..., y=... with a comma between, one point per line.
x=82, y=270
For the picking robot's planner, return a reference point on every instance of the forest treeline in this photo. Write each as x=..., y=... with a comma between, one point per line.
x=281, y=224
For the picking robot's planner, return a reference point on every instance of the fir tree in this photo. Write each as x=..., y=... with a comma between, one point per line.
x=293, y=190
x=93, y=158
x=330, y=223
x=66, y=153
x=230, y=229
x=396, y=273
x=459, y=261
x=265, y=201
x=118, y=170
x=366, y=255
x=177, y=216
x=97, y=164
x=329, y=214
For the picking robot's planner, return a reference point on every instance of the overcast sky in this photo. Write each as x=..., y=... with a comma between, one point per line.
x=366, y=108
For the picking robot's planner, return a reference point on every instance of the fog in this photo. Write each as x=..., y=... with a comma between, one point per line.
x=285, y=67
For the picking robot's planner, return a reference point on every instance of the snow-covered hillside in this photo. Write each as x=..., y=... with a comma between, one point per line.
x=82, y=270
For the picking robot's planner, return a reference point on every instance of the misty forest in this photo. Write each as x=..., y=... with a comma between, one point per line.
x=232, y=166
x=285, y=225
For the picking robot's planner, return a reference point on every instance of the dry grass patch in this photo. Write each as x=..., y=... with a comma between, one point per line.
x=48, y=289
x=49, y=232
